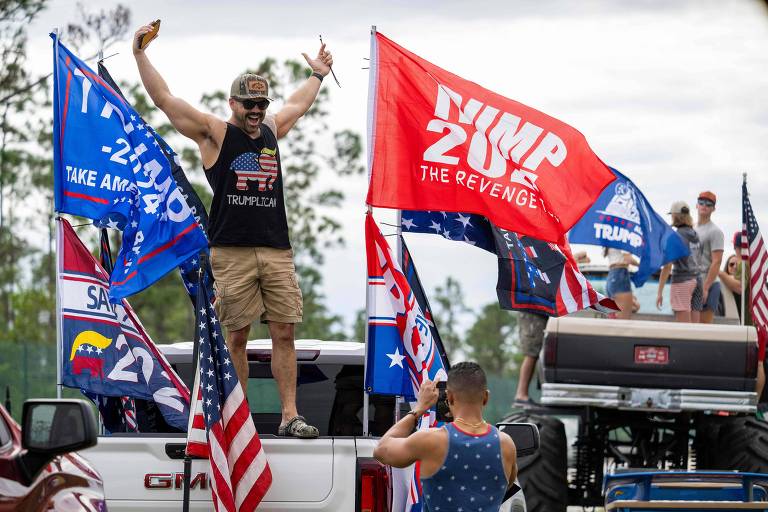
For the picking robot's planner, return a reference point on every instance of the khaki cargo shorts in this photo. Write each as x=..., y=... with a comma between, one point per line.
x=255, y=282
x=531, y=333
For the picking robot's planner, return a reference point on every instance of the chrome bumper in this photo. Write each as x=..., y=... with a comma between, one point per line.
x=616, y=397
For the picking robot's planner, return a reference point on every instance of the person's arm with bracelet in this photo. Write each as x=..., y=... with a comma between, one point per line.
x=302, y=99
x=400, y=446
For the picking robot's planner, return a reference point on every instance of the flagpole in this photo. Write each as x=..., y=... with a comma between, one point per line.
x=203, y=258
x=59, y=330
x=370, y=129
x=743, y=256
x=59, y=237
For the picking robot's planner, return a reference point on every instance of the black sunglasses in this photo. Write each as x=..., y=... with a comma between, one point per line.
x=249, y=104
x=706, y=202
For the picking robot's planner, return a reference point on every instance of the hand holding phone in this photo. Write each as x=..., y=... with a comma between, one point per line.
x=442, y=411
x=146, y=38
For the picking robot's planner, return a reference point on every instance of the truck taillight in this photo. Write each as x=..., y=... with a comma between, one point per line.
x=550, y=349
x=374, y=486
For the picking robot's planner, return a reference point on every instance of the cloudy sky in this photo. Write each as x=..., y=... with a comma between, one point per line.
x=672, y=93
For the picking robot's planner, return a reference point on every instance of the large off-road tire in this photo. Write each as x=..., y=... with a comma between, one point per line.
x=543, y=476
x=706, y=443
x=743, y=445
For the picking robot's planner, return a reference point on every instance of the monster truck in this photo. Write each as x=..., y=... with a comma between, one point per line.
x=640, y=393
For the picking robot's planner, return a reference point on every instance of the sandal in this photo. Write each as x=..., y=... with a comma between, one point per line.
x=298, y=427
x=520, y=403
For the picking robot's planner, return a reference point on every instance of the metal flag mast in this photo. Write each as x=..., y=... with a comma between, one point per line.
x=371, y=126
x=741, y=251
x=59, y=237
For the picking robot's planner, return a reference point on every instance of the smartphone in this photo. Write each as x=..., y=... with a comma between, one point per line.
x=149, y=36
x=443, y=412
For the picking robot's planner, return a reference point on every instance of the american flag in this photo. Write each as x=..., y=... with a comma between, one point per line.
x=758, y=261
x=221, y=427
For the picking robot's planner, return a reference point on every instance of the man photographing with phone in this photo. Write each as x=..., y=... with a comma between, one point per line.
x=467, y=464
x=251, y=254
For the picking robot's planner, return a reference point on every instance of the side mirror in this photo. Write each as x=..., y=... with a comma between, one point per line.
x=54, y=427
x=525, y=436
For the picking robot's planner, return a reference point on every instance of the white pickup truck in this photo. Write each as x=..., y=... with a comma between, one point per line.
x=336, y=472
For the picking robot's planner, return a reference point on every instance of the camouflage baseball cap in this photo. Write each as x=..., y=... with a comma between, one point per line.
x=250, y=86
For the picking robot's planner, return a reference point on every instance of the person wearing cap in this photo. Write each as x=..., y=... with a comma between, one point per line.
x=685, y=295
x=711, y=254
x=251, y=254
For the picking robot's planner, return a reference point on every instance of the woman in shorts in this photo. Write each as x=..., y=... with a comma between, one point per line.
x=617, y=285
x=686, y=291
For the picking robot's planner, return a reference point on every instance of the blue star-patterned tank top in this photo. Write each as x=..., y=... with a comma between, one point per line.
x=472, y=477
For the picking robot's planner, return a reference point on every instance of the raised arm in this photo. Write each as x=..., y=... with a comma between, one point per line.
x=301, y=100
x=398, y=447
x=189, y=121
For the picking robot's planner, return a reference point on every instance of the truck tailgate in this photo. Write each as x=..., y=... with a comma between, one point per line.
x=650, y=354
x=139, y=473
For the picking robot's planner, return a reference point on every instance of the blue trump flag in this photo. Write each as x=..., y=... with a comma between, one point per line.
x=189, y=270
x=622, y=218
x=108, y=167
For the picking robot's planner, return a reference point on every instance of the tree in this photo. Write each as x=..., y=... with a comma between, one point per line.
x=491, y=340
x=448, y=308
x=359, y=326
x=27, y=259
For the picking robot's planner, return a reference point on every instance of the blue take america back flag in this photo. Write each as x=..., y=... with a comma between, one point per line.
x=109, y=167
x=189, y=268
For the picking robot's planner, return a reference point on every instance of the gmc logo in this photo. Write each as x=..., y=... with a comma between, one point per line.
x=174, y=480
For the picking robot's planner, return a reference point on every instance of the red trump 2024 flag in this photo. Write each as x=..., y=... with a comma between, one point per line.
x=439, y=142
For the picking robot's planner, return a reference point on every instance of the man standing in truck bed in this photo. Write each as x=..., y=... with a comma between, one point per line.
x=251, y=255
x=711, y=256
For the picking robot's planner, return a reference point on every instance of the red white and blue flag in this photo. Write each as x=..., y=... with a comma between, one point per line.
x=105, y=349
x=401, y=348
x=109, y=167
x=758, y=266
x=221, y=427
x=403, y=345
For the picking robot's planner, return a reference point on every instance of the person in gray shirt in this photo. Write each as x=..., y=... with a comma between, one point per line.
x=712, y=243
x=685, y=296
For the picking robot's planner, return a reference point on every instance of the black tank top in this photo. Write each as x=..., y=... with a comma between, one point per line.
x=248, y=208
